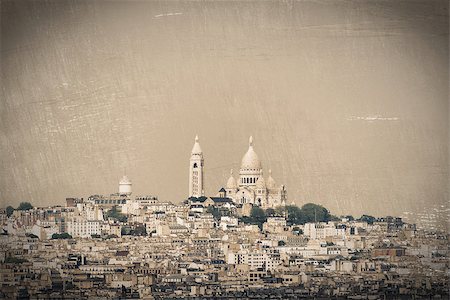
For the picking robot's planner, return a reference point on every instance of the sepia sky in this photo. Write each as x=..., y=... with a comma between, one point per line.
x=347, y=101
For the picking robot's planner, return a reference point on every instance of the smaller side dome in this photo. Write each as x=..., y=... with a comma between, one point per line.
x=261, y=183
x=270, y=181
x=231, y=183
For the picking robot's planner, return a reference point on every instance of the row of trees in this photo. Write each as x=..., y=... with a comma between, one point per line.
x=22, y=206
x=309, y=212
x=295, y=215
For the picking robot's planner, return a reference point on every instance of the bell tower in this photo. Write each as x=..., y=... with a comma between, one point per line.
x=196, y=171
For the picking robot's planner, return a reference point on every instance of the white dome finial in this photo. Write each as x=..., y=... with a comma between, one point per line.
x=196, y=138
x=231, y=172
x=250, y=141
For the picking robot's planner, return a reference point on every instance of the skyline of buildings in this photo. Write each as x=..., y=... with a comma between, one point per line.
x=142, y=248
x=248, y=189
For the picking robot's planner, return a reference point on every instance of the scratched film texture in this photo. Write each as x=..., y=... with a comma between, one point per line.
x=347, y=100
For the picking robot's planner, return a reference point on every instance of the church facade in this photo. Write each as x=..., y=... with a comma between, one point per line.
x=250, y=186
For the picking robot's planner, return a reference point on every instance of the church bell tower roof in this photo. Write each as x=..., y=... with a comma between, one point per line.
x=196, y=149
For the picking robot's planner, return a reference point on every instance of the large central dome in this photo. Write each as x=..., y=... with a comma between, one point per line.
x=251, y=161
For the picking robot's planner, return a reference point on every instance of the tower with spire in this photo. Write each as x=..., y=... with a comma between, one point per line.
x=196, y=180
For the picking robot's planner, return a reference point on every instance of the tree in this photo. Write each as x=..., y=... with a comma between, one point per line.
x=9, y=211
x=116, y=215
x=62, y=236
x=368, y=219
x=218, y=212
x=350, y=218
x=334, y=218
x=214, y=211
x=25, y=206
x=139, y=231
x=125, y=230
x=294, y=215
x=270, y=212
x=281, y=243
x=14, y=260
x=315, y=213
x=257, y=217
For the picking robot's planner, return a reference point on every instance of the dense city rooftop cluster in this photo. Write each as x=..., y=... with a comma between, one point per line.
x=120, y=246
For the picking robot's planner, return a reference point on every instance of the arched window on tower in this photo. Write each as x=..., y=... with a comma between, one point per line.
x=195, y=165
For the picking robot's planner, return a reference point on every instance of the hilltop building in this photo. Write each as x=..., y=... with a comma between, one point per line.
x=252, y=187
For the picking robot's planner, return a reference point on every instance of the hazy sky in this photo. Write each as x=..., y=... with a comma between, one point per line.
x=347, y=101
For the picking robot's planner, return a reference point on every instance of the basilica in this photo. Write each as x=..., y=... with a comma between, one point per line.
x=251, y=187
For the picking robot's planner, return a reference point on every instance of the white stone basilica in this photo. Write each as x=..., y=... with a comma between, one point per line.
x=252, y=187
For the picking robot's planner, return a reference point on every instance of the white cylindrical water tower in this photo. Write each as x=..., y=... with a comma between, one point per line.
x=125, y=186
